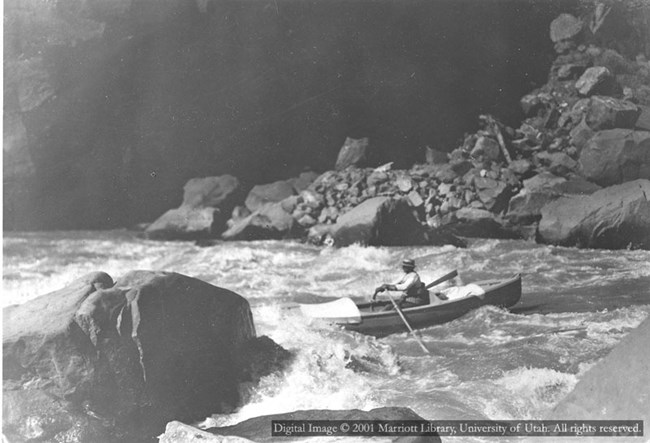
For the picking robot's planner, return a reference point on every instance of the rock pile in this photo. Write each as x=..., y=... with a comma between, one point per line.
x=587, y=127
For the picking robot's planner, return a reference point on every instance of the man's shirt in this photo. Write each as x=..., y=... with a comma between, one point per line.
x=410, y=280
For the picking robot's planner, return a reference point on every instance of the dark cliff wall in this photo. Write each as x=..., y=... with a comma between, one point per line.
x=111, y=106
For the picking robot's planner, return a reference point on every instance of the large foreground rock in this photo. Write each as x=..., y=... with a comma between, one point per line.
x=612, y=218
x=98, y=361
x=616, y=156
x=384, y=221
x=616, y=388
x=207, y=204
x=259, y=428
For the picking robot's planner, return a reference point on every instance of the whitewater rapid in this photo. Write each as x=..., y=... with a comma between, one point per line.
x=490, y=364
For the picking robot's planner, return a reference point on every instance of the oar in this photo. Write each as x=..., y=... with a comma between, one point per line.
x=401, y=314
x=343, y=309
x=444, y=278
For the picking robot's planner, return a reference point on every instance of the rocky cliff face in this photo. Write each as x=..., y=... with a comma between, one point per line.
x=111, y=106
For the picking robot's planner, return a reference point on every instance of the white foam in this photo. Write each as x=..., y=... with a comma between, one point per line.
x=528, y=393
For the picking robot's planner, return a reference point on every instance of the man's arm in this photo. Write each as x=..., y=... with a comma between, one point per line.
x=405, y=282
x=400, y=285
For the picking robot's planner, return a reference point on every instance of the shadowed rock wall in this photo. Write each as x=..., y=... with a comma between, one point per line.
x=110, y=107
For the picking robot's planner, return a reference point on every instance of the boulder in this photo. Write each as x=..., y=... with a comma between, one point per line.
x=616, y=217
x=616, y=156
x=486, y=149
x=445, y=173
x=377, y=221
x=312, y=198
x=307, y=221
x=415, y=199
x=320, y=234
x=609, y=113
x=214, y=192
x=461, y=167
x=520, y=167
x=268, y=193
x=570, y=71
x=580, y=135
x=383, y=221
x=259, y=428
x=445, y=189
x=404, y=183
x=565, y=27
x=474, y=222
x=206, y=201
x=542, y=181
x=303, y=181
x=376, y=178
x=494, y=194
x=98, y=361
x=270, y=221
x=643, y=122
x=595, y=80
x=571, y=116
x=558, y=163
x=576, y=185
x=538, y=191
x=535, y=102
x=435, y=156
x=187, y=223
x=511, y=179
x=290, y=204
x=325, y=180
x=526, y=206
x=176, y=432
x=238, y=213
x=617, y=387
x=353, y=153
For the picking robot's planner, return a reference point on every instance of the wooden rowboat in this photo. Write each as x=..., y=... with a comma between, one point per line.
x=368, y=319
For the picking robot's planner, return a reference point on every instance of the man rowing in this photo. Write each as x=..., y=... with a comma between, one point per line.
x=413, y=291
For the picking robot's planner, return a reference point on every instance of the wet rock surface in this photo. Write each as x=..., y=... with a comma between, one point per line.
x=621, y=380
x=114, y=361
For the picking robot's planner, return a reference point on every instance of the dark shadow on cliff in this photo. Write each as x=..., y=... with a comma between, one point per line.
x=260, y=90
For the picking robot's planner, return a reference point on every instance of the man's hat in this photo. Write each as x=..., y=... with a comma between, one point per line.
x=408, y=263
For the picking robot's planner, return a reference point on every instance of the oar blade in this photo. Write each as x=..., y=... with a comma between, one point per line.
x=343, y=310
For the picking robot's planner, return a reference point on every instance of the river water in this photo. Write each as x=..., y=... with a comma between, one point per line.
x=490, y=364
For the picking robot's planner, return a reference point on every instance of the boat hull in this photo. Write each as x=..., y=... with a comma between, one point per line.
x=502, y=293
